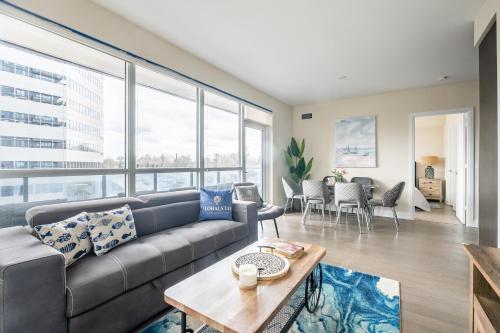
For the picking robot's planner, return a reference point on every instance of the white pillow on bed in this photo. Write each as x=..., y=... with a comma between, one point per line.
x=420, y=201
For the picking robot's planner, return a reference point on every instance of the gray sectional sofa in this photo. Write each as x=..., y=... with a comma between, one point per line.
x=122, y=289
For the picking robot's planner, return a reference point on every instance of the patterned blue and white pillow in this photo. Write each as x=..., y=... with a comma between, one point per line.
x=111, y=228
x=216, y=204
x=70, y=237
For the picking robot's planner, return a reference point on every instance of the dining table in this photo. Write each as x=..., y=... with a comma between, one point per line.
x=331, y=187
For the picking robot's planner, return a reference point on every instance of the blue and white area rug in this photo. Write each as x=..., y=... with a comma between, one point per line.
x=351, y=302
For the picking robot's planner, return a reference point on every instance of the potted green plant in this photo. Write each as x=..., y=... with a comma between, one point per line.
x=294, y=157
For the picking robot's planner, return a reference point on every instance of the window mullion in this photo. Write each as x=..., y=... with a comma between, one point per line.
x=200, y=147
x=241, y=125
x=131, y=127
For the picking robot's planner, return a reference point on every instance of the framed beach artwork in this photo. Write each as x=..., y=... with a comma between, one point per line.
x=356, y=142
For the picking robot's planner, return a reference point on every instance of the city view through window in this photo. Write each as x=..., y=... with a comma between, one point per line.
x=63, y=128
x=54, y=114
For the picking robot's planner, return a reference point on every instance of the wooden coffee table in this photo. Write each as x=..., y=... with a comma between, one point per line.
x=213, y=296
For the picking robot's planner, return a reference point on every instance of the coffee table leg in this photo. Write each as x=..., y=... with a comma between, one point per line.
x=314, y=284
x=184, y=328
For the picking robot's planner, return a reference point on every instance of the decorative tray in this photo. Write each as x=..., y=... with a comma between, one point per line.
x=270, y=266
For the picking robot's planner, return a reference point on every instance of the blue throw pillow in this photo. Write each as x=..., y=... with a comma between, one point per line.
x=216, y=204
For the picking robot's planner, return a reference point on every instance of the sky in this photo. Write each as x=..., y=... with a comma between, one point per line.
x=114, y=117
x=166, y=124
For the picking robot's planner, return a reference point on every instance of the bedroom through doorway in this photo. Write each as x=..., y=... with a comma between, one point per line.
x=443, y=150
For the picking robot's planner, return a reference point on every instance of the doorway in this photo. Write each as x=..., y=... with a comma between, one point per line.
x=442, y=166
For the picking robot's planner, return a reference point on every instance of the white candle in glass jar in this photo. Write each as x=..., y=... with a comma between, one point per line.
x=248, y=276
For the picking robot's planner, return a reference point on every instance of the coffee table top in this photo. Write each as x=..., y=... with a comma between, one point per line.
x=213, y=296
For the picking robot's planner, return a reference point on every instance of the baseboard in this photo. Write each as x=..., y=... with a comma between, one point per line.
x=383, y=212
x=387, y=212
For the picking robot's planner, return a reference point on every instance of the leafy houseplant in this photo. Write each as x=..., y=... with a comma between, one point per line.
x=299, y=169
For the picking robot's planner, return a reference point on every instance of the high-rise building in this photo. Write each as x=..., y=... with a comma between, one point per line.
x=51, y=116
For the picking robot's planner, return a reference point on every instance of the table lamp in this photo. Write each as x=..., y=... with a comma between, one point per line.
x=429, y=161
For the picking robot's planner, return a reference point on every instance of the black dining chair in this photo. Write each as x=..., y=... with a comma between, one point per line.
x=363, y=181
x=390, y=200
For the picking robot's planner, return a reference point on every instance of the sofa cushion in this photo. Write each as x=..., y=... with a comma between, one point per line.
x=175, y=214
x=57, y=212
x=167, y=198
x=94, y=280
x=208, y=236
x=144, y=219
x=70, y=237
x=153, y=219
x=222, y=232
x=175, y=251
x=111, y=228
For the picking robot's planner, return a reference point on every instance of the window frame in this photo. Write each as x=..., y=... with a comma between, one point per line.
x=130, y=169
x=264, y=129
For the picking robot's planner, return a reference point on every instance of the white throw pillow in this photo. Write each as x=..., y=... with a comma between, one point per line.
x=70, y=237
x=111, y=228
x=249, y=193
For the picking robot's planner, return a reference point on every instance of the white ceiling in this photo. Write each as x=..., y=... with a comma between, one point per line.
x=295, y=50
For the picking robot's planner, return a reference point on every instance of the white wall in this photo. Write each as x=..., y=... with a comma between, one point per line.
x=89, y=18
x=393, y=111
x=429, y=140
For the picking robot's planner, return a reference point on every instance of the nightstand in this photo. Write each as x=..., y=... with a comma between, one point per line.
x=432, y=189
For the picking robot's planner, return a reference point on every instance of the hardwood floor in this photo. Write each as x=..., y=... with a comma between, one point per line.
x=445, y=214
x=426, y=257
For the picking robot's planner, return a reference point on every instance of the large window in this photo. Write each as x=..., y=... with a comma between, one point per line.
x=80, y=118
x=222, y=179
x=222, y=140
x=66, y=99
x=73, y=188
x=69, y=131
x=164, y=182
x=166, y=121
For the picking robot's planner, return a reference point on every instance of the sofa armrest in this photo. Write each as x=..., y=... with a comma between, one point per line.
x=32, y=284
x=246, y=212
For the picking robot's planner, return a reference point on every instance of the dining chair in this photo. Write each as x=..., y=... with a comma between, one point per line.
x=363, y=181
x=351, y=195
x=327, y=179
x=316, y=193
x=389, y=199
x=292, y=191
x=331, y=188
